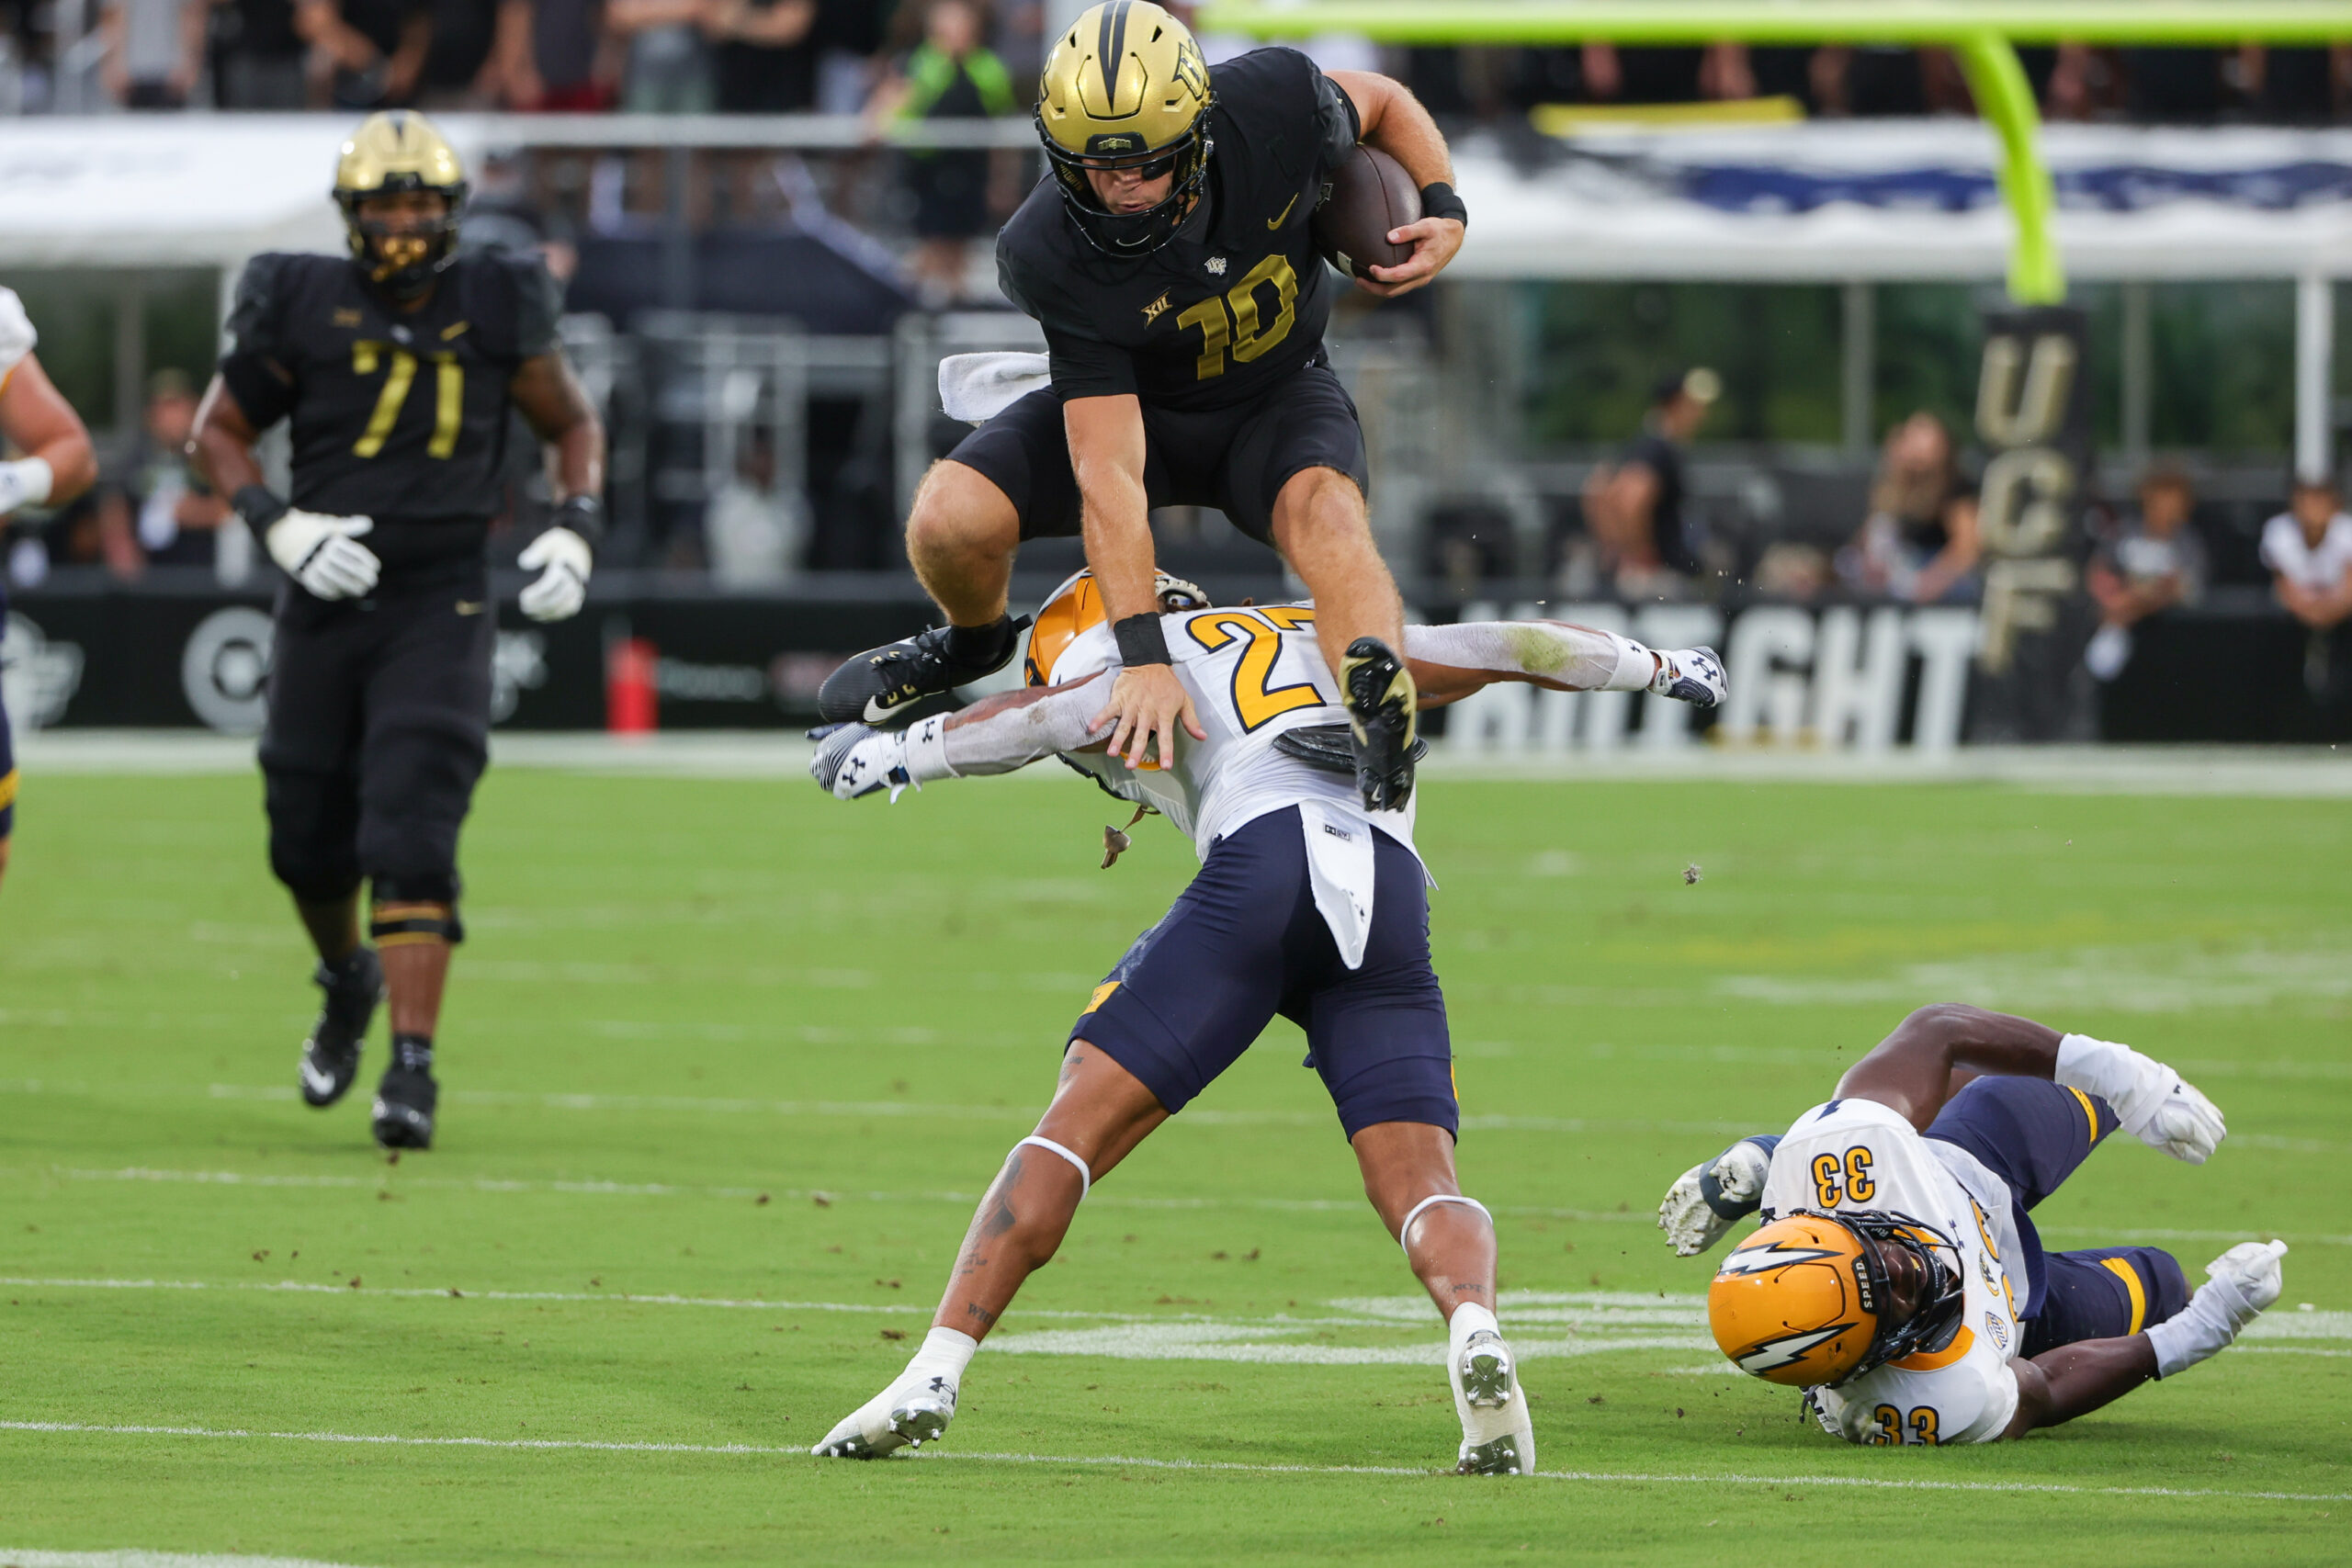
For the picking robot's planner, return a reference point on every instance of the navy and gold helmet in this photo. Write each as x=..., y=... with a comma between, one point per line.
x=1127, y=88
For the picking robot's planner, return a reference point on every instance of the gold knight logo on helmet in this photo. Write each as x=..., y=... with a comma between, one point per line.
x=392, y=153
x=1127, y=88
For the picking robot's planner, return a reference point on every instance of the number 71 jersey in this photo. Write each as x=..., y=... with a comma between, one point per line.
x=1857, y=1154
x=393, y=414
x=1252, y=673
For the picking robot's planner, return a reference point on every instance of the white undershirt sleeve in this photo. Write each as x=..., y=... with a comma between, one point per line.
x=1577, y=657
x=1015, y=737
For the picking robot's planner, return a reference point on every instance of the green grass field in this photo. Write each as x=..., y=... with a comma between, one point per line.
x=725, y=1063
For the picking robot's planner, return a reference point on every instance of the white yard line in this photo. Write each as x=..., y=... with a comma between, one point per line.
x=1587, y=1477
x=135, y=1557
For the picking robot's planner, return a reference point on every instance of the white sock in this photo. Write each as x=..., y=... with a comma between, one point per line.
x=946, y=1353
x=1468, y=1319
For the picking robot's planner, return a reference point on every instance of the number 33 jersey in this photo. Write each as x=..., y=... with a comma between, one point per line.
x=400, y=416
x=1238, y=298
x=1858, y=1154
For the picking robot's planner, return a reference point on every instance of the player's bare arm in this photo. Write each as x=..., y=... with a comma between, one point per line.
x=57, y=463
x=1393, y=121
x=1147, y=702
x=222, y=442
x=552, y=400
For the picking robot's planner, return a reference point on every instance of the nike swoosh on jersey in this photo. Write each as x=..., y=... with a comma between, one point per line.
x=1276, y=221
x=470, y=606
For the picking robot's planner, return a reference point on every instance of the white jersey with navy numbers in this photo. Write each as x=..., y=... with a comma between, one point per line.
x=1252, y=673
x=17, y=338
x=1857, y=1154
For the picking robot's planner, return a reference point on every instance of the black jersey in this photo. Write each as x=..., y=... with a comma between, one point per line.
x=1238, y=299
x=400, y=416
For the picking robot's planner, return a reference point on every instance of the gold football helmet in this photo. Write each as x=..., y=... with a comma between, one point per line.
x=1808, y=1299
x=1076, y=605
x=1127, y=88
x=393, y=152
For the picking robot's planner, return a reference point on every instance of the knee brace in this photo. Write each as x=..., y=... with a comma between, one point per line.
x=1414, y=1213
x=401, y=924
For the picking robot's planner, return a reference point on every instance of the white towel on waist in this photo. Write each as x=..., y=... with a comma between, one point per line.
x=976, y=387
x=1341, y=866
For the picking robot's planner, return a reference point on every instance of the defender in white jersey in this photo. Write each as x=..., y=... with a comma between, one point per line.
x=1306, y=903
x=1898, y=1278
x=57, y=466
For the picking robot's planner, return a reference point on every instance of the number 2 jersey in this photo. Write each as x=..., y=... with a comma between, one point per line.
x=399, y=416
x=1236, y=300
x=1252, y=673
x=1858, y=1154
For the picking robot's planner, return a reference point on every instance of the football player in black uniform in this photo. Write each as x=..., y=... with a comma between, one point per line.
x=1167, y=256
x=396, y=366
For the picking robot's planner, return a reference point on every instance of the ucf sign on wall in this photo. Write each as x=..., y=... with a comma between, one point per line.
x=1868, y=679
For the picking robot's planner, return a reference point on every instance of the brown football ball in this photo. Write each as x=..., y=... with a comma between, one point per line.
x=1370, y=194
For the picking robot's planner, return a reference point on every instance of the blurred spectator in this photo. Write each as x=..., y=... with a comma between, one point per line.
x=155, y=52
x=755, y=533
x=153, y=508
x=2172, y=87
x=667, y=70
x=2296, y=86
x=257, y=56
x=476, y=46
x=1920, y=542
x=847, y=37
x=2307, y=549
x=1614, y=76
x=763, y=60
x=373, y=51
x=2143, y=566
x=947, y=76
x=571, y=66
x=1634, y=509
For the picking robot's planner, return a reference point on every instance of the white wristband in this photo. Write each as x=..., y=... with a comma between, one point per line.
x=25, y=482
x=927, y=749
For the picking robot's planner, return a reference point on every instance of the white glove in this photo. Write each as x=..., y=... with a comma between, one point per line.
x=853, y=760
x=2244, y=1281
x=25, y=482
x=2153, y=1103
x=1692, y=1225
x=323, y=553
x=563, y=588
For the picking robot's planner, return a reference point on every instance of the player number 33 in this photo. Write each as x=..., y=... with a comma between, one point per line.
x=1835, y=1180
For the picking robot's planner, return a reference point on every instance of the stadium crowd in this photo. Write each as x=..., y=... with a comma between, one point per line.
x=839, y=56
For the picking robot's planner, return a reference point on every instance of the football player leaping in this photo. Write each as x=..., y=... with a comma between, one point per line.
x=1168, y=257
x=396, y=366
x=1306, y=903
x=1898, y=1279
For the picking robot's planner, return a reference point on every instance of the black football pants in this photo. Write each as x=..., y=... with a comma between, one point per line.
x=378, y=730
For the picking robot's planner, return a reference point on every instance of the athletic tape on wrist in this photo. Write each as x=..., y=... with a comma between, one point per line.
x=1415, y=1212
x=1142, y=640
x=1085, y=1176
x=259, y=505
x=1710, y=1191
x=585, y=515
x=1439, y=200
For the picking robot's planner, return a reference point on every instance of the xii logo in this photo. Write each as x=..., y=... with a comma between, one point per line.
x=1152, y=311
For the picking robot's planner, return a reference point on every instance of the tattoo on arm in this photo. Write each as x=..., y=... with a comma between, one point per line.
x=975, y=1310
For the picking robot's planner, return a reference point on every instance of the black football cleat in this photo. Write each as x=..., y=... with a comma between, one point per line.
x=891, y=686
x=331, y=1055
x=1383, y=721
x=405, y=1104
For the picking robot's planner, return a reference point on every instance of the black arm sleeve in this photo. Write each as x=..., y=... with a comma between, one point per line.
x=1338, y=127
x=251, y=367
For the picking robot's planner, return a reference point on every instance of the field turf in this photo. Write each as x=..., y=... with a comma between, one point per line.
x=726, y=1062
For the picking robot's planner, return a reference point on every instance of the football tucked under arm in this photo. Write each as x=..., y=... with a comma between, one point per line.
x=1450, y=663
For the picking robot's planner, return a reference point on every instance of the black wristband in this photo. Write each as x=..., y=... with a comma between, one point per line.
x=259, y=505
x=1141, y=641
x=585, y=515
x=1438, y=200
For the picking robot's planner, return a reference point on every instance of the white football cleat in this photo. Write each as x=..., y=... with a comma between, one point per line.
x=1497, y=1439
x=912, y=1411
